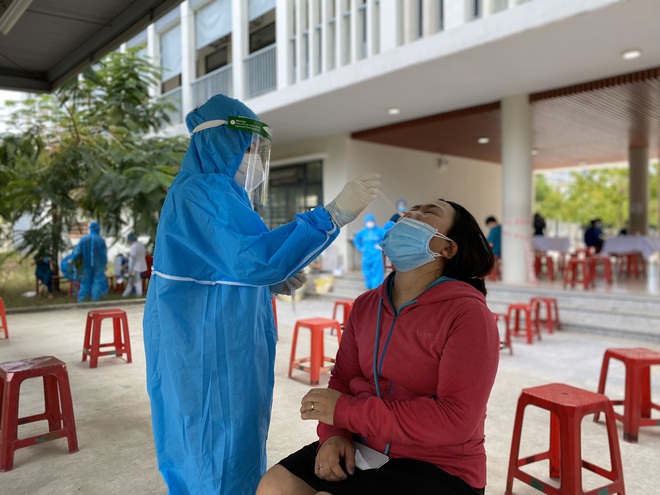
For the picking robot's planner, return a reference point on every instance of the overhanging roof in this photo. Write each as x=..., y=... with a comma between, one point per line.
x=53, y=40
x=588, y=123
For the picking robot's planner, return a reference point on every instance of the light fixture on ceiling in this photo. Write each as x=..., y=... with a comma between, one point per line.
x=12, y=14
x=534, y=152
x=631, y=54
x=394, y=111
x=483, y=140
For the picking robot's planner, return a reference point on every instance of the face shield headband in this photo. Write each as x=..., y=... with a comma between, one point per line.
x=252, y=173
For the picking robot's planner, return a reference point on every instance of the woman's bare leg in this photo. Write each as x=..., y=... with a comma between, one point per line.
x=279, y=481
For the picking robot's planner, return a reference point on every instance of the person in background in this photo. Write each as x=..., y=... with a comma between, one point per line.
x=401, y=207
x=44, y=273
x=413, y=373
x=93, y=252
x=367, y=241
x=593, y=236
x=209, y=328
x=137, y=263
x=624, y=229
x=538, y=224
x=494, y=235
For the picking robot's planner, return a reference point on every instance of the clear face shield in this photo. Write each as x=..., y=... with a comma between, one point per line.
x=252, y=173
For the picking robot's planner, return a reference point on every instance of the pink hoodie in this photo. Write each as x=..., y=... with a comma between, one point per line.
x=436, y=363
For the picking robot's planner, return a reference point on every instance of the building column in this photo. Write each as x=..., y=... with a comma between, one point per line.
x=188, y=55
x=516, y=113
x=638, y=172
x=239, y=46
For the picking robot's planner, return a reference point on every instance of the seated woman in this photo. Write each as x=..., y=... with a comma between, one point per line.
x=414, y=371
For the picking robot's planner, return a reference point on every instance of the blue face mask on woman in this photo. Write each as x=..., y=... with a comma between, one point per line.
x=406, y=244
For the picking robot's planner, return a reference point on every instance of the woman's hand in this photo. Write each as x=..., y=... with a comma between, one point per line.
x=333, y=450
x=319, y=404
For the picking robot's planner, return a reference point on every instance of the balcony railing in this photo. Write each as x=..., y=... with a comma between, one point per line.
x=173, y=98
x=217, y=82
x=261, y=72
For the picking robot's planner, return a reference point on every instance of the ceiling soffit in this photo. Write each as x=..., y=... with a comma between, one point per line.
x=594, y=122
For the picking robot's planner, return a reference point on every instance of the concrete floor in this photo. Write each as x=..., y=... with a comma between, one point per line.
x=113, y=421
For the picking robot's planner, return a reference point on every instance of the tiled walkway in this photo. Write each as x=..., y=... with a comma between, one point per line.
x=112, y=412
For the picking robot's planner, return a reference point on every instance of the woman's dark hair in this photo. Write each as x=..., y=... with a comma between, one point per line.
x=474, y=259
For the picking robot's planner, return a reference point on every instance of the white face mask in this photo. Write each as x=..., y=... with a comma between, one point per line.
x=370, y=225
x=251, y=172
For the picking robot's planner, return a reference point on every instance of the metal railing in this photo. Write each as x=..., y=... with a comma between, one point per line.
x=261, y=71
x=217, y=82
x=173, y=99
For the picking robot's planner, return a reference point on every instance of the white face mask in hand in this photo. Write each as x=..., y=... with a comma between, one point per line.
x=251, y=172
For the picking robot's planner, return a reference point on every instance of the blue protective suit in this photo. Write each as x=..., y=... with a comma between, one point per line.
x=367, y=241
x=209, y=329
x=94, y=253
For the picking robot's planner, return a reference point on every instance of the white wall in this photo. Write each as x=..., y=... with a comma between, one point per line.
x=414, y=175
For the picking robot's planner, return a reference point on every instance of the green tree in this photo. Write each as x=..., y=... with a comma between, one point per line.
x=88, y=151
x=597, y=193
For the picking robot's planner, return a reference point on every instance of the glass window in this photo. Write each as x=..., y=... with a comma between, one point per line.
x=292, y=189
x=262, y=37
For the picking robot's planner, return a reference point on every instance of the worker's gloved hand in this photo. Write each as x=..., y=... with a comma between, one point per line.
x=354, y=198
x=289, y=287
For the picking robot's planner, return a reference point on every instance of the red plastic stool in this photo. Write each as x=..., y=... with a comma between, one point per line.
x=552, y=317
x=568, y=406
x=3, y=318
x=632, y=264
x=58, y=406
x=317, y=359
x=637, y=403
x=607, y=267
x=541, y=259
x=576, y=267
x=507, y=332
x=347, y=305
x=93, y=345
x=531, y=311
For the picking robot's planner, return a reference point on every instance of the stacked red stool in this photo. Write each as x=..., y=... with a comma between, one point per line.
x=347, y=306
x=316, y=362
x=551, y=312
x=637, y=403
x=531, y=312
x=507, y=331
x=121, y=342
x=3, y=318
x=58, y=406
x=568, y=406
x=544, y=259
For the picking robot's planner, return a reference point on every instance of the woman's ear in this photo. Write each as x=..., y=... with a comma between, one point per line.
x=450, y=250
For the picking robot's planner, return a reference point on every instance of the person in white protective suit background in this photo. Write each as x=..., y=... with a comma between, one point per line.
x=209, y=330
x=137, y=263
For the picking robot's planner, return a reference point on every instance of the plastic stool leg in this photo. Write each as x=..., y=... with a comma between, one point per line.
x=96, y=342
x=317, y=355
x=293, y=349
x=68, y=419
x=116, y=330
x=87, y=342
x=52, y=403
x=555, y=446
x=127, y=340
x=9, y=424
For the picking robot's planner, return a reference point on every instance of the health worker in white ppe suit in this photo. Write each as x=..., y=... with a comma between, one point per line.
x=209, y=329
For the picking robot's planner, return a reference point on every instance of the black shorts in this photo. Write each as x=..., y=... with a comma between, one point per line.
x=396, y=476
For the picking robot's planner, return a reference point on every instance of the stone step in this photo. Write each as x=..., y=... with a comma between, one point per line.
x=613, y=313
